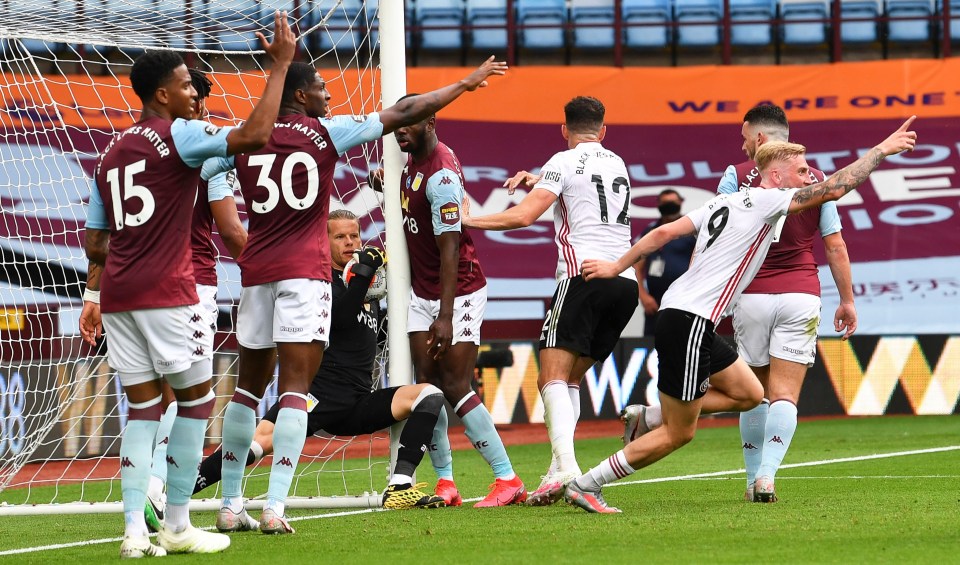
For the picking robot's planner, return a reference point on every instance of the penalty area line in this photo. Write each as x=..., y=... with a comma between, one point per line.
x=792, y=465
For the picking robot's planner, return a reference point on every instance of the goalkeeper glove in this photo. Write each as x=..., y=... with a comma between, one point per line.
x=371, y=257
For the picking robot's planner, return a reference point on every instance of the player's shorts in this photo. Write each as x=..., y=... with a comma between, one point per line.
x=689, y=353
x=208, y=303
x=157, y=340
x=467, y=315
x=589, y=316
x=777, y=325
x=369, y=412
x=294, y=310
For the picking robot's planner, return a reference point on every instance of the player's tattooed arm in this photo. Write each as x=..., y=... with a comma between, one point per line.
x=851, y=176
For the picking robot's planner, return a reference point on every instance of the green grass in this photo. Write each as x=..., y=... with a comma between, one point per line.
x=903, y=509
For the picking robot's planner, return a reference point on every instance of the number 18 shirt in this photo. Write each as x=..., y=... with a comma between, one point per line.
x=734, y=233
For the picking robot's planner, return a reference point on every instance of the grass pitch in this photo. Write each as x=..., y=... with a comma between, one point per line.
x=871, y=490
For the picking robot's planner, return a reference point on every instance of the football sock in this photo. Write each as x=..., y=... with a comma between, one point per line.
x=613, y=468
x=398, y=479
x=417, y=430
x=574, y=392
x=781, y=425
x=158, y=476
x=212, y=466
x=653, y=416
x=441, y=456
x=752, y=424
x=239, y=423
x=559, y=417
x=289, y=435
x=183, y=458
x=483, y=435
x=136, y=451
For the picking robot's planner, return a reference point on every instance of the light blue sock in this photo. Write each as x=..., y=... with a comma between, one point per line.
x=288, y=437
x=752, y=424
x=781, y=425
x=136, y=449
x=186, y=448
x=239, y=424
x=483, y=435
x=159, y=468
x=441, y=456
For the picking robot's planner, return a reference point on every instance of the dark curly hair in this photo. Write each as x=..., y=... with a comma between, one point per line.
x=299, y=77
x=152, y=69
x=201, y=83
x=584, y=114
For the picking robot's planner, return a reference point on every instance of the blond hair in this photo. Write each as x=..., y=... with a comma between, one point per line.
x=775, y=152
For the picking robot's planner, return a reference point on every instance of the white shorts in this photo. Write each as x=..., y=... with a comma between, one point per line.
x=467, y=315
x=294, y=310
x=208, y=303
x=777, y=325
x=143, y=343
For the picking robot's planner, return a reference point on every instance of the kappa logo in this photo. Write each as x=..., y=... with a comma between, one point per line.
x=229, y=456
x=466, y=318
x=285, y=461
x=446, y=180
x=466, y=304
x=165, y=441
x=198, y=334
x=195, y=318
x=748, y=445
x=198, y=351
x=172, y=461
x=324, y=314
x=325, y=296
x=466, y=333
x=125, y=462
x=776, y=439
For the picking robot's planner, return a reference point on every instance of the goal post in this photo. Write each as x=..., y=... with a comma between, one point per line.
x=65, y=91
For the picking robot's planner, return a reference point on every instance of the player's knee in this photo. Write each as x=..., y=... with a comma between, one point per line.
x=429, y=400
x=680, y=435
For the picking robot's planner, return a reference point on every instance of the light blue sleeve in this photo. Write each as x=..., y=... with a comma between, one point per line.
x=829, y=219
x=350, y=131
x=445, y=193
x=221, y=186
x=728, y=182
x=96, y=214
x=197, y=141
x=216, y=165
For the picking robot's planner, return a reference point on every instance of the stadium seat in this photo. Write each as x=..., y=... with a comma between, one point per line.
x=121, y=23
x=551, y=14
x=345, y=26
x=441, y=23
x=698, y=22
x=232, y=25
x=594, y=23
x=954, y=19
x=760, y=11
x=865, y=31
x=656, y=14
x=804, y=32
x=909, y=31
x=181, y=27
x=487, y=13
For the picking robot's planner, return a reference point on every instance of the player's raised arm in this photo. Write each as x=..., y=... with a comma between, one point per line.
x=414, y=109
x=255, y=132
x=851, y=176
x=597, y=269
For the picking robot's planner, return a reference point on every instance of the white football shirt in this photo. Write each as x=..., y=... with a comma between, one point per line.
x=734, y=233
x=592, y=213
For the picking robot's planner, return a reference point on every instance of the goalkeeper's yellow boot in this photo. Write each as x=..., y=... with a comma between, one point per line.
x=401, y=497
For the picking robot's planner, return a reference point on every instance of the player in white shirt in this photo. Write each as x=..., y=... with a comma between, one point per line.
x=734, y=232
x=589, y=189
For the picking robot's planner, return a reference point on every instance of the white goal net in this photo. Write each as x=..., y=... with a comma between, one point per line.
x=65, y=92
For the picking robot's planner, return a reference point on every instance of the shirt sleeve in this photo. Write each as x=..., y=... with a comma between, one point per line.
x=96, y=214
x=221, y=186
x=728, y=182
x=697, y=216
x=773, y=202
x=197, y=141
x=829, y=219
x=445, y=193
x=551, y=175
x=349, y=131
x=216, y=165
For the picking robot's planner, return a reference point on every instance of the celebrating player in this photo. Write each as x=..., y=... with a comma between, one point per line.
x=141, y=205
x=590, y=187
x=734, y=232
x=342, y=397
x=285, y=270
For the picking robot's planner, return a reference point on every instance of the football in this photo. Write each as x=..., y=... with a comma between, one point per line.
x=378, y=284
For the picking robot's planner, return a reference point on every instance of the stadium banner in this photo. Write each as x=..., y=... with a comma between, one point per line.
x=675, y=128
x=864, y=376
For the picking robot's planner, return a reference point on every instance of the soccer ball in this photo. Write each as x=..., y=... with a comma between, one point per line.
x=378, y=284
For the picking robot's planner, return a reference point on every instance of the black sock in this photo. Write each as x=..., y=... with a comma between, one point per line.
x=211, y=470
x=416, y=434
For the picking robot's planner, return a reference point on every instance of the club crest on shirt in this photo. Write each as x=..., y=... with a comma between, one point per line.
x=417, y=181
x=450, y=213
x=211, y=129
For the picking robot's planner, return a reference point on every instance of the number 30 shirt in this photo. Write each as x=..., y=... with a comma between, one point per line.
x=287, y=186
x=431, y=193
x=145, y=184
x=734, y=233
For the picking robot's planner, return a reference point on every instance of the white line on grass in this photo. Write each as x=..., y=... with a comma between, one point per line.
x=717, y=474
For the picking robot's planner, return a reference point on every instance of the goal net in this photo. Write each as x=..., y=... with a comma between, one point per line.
x=65, y=90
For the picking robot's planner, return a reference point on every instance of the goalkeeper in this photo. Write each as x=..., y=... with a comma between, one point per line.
x=341, y=400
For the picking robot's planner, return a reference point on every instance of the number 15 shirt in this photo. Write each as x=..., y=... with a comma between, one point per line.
x=734, y=233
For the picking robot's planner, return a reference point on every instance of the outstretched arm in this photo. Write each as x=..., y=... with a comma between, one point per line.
x=845, y=318
x=596, y=269
x=418, y=108
x=533, y=205
x=851, y=176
